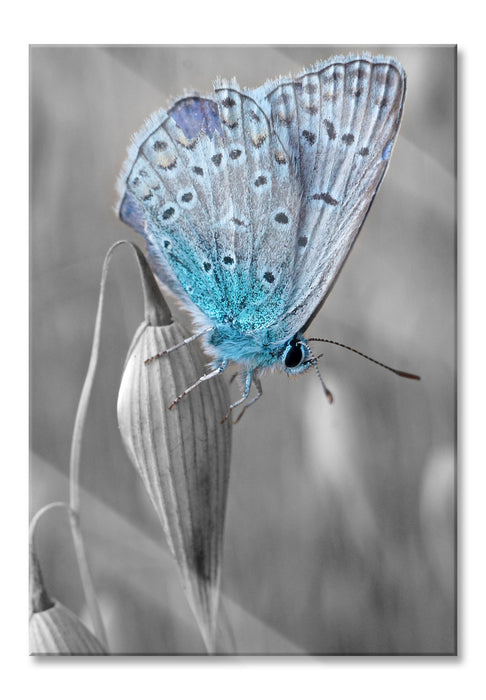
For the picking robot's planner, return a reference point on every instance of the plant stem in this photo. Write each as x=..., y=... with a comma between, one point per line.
x=156, y=312
x=39, y=514
x=39, y=598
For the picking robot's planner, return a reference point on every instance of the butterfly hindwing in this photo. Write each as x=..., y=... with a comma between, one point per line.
x=158, y=192
x=210, y=182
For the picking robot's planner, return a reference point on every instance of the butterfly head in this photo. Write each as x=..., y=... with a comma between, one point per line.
x=296, y=356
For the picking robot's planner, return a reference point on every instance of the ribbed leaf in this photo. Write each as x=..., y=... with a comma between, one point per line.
x=183, y=457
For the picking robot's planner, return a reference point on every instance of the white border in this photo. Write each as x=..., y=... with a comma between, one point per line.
x=255, y=22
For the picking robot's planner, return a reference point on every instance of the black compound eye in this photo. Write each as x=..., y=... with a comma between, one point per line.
x=294, y=356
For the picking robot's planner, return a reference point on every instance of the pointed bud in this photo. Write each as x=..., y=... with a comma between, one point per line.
x=53, y=628
x=182, y=455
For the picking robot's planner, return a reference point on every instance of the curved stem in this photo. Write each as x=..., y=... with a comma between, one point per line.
x=38, y=516
x=156, y=312
x=39, y=597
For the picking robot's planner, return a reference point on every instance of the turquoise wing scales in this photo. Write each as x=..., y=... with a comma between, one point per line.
x=209, y=186
x=251, y=200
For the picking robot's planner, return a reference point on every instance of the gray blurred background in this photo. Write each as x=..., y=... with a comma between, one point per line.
x=340, y=535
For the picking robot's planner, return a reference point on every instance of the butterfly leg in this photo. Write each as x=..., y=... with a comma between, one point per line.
x=246, y=391
x=202, y=379
x=258, y=385
x=249, y=378
x=186, y=341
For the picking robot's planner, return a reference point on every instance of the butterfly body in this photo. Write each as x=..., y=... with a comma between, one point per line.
x=250, y=201
x=255, y=351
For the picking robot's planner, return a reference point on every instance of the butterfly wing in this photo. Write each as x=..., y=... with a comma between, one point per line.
x=338, y=122
x=250, y=201
x=209, y=186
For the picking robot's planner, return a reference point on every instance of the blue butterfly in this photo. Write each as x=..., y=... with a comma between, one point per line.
x=250, y=201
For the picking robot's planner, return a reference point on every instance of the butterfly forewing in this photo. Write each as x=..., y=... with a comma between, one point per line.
x=339, y=128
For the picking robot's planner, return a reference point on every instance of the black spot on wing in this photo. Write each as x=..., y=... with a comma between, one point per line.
x=331, y=131
x=168, y=213
x=309, y=136
x=325, y=197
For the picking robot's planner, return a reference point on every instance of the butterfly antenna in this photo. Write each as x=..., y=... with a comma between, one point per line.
x=313, y=360
x=401, y=373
